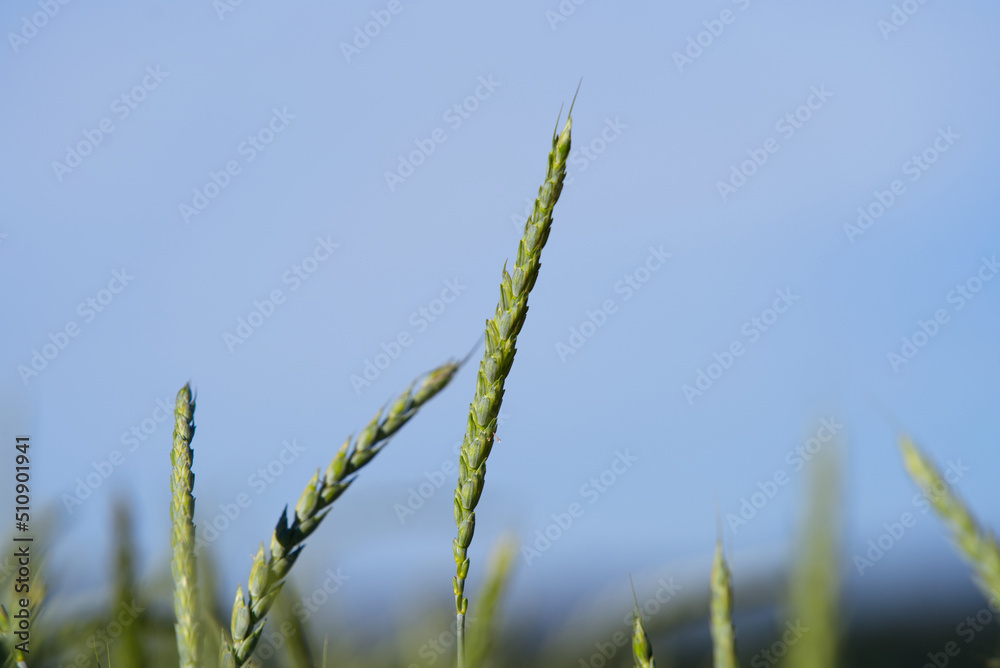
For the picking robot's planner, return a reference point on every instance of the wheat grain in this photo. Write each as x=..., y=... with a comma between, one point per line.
x=268, y=573
x=501, y=340
x=723, y=636
x=183, y=565
x=979, y=545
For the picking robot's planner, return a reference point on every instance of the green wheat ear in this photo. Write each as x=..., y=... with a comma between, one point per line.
x=723, y=635
x=979, y=545
x=183, y=565
x=642, y=649
x=269, y=571
x=501, y=338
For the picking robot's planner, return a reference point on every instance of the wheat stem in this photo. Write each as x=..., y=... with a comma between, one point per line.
x=125, y=589
x=501, y=337
x=182, y=539
x=268, y=572
x=815, y=580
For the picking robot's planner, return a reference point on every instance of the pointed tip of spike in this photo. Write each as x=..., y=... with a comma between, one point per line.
x=634, y=597
x=718, y=515
x=569, y=116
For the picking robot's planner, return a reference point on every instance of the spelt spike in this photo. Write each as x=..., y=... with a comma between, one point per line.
x=183, y=563
x=501, y=338
x=268, y=576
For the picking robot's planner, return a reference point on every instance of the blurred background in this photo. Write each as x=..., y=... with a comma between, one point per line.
x=778, y=237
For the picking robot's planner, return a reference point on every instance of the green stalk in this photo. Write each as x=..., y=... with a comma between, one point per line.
x=723, y=635
x=501, y=337
x=125, y=589
x=815, y=580
x=979, y=545
x=183, y=564
x=268, y=573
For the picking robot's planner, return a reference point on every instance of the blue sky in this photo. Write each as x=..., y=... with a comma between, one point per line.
x=186, y=166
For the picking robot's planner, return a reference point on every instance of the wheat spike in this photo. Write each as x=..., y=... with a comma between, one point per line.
x=268, y=572
x=501, y=339
x=182, y=539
